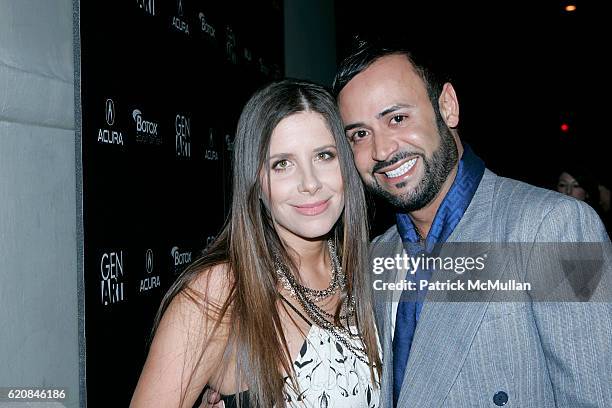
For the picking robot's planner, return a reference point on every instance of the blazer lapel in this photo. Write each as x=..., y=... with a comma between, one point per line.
x=388, y=246
x=445, y=329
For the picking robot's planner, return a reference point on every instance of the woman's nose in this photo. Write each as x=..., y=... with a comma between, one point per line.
x=310, y=182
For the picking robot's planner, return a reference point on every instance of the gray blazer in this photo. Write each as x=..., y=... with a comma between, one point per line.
x=537, y=354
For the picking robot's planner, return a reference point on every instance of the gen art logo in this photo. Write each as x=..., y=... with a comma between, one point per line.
x=147, y=5
x=182, y=125
x=112, y=278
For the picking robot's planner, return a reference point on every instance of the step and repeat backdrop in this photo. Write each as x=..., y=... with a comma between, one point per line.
x=162, y=85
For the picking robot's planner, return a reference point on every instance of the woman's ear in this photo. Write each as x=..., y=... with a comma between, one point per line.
x=449, y=105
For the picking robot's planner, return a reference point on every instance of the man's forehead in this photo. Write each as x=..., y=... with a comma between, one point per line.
x=387, y=67
x=389, y=80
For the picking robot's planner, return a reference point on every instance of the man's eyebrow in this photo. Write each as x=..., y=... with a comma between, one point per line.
x=390, y=109
x=353, y=126
x=393, y=108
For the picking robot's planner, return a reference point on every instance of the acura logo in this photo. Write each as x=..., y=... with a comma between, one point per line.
x=110, y=112
x=149, y=261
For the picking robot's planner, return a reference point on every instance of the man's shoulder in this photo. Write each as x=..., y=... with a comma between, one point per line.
x=391, y=235
x=526, y=210
x=516, y=190
x=515, y=196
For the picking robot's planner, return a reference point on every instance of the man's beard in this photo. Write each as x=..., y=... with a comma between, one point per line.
x=436, y=170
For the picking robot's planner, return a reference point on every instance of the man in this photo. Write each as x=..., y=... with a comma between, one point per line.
x=402, y=125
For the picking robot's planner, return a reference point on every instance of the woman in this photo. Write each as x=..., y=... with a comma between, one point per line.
x=279, y=306
x=578, y=182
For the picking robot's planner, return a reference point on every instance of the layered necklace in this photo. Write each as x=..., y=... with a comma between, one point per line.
x=308, y=299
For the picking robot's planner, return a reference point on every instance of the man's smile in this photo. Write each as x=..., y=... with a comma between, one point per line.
x=398, y=171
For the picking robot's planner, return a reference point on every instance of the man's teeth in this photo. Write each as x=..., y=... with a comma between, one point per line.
x=401, y=170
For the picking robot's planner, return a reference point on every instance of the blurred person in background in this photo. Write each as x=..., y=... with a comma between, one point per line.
x=579, y=182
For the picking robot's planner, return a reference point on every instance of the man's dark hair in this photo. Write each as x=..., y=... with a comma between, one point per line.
x=365, y=52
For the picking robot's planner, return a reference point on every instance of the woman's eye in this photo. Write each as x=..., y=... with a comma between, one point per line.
x=325, y=156
x=281, y=164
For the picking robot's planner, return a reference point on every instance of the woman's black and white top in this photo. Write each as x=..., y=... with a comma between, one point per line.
x=328, y=376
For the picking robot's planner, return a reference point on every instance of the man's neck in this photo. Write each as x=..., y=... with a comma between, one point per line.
x=424, y=217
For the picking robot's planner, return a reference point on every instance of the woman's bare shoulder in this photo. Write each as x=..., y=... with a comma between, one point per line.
x=212, y=284
x=191, y=328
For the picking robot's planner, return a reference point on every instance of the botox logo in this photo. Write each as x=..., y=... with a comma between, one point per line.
x=206, y=27
x=146, y=130
x=178, y=21
x=112, y=278
x=108, y=135
x=147, y=5
x=179, y=259
x=182, y=125
x=149, y=282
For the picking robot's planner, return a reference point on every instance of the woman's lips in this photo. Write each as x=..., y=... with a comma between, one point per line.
x=312, y=208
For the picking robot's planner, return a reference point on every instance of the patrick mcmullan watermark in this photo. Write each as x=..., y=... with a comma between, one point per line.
x=499, y=272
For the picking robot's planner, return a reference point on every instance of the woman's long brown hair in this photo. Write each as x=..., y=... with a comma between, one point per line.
x=248, y=239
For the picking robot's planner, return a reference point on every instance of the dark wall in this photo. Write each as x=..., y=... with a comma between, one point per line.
x=163, y=84
x=310, y=40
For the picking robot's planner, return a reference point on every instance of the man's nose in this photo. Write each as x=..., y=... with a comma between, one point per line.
x=383, y=147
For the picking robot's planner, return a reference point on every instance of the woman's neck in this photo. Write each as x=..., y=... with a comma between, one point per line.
x=311, y=257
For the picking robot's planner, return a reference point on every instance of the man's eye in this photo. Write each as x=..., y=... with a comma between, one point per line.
x=398, y=119
x=359, y=134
